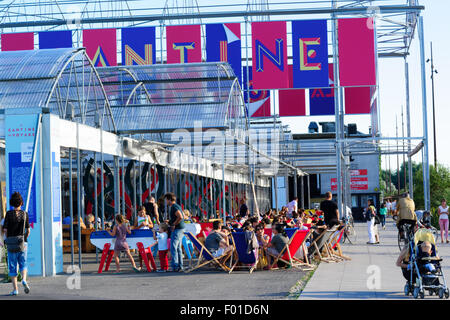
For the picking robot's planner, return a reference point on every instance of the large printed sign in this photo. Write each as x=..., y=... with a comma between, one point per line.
x=310, y=53
x=223, y=43
x=20, y=135
x=101, y=46
x=184, y=44
x=358, y=181
x=269, y=59
x=138, y=46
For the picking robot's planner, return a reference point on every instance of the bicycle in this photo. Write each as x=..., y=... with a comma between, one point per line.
x=407, y=230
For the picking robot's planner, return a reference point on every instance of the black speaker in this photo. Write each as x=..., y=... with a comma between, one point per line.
x=352, y=128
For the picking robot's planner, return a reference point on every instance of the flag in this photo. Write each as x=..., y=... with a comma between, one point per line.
x=357, y=64
x=223, y=43
x=55, y=39
x=291, y=102
x=17, y=41
x=259, y=104
x=358, y=100
x=184, y=44
x=321, y=100
x=269, y=60
x=138, y=46
x=310, y=53
x=101, y=46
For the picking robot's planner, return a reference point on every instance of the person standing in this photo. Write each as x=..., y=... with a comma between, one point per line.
x=370, y=218
x=177, y=226
x=151, y=208
x=292, y=207
x=17, y=229
x=389, y=206
x=243, y=209
x=443, y=220
x=330, y=210
x=383, y=212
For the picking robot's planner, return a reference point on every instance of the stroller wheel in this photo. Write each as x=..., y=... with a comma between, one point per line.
x=446, y=293
x=407, y=289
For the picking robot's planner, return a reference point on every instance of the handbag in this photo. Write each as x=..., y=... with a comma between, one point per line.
x=17, y=243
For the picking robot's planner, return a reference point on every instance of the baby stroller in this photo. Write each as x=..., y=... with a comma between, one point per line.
x=425, y=270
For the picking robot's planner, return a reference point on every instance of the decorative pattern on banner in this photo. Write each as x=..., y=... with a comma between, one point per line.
x=321, y=101
x=358, y=100
x=223, y=43
x=259, y=104
x=138, y=46
x=17, y=41
x=292, y=102
x=184, y=44
x=55, y=39
x=357, y=52
x=269, y=58
x=310, y=53
x=101, y=46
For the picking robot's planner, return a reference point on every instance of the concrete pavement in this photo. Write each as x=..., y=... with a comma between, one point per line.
x=357, y=279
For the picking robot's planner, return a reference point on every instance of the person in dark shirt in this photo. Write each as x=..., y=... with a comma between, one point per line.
x=151, y=208
x=217, y=241
x=330, y=210
x=243, y=209
x=176, y=222
x=17, y=224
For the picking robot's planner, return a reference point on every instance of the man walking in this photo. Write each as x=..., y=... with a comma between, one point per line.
x=330, y=210
x=176, y=222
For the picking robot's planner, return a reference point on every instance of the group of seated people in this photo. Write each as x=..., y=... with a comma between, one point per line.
x=218, y=240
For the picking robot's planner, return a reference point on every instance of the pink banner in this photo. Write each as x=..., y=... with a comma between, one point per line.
x=17, y=41
x=357, y=52
x=270, y=68
x=101, y=46
x=358, y=100
x=356, y=183
x=184, y=44
x=292, y=102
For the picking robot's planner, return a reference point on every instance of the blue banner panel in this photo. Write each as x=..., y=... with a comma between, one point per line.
x=259, y=104
x=223, y=43
x=321, y=102
x=139, y=46
x=55, y=39
x=310, y=53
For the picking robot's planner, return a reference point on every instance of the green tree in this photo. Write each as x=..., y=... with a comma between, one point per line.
x=439, y=186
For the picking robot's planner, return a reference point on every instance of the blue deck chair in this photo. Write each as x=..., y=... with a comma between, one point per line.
x=250, y=260
x=205, y=257
x=188, y=248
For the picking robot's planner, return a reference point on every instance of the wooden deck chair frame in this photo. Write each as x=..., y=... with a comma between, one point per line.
x=297, y=263
x=216, y=260
x=281, y=254
x=326, y=256
x=235, y=266
x=333, y=242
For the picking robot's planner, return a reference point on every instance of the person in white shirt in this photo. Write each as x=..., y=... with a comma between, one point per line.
x=443, y=220
x=389, y=206
x=394, y=205
x=292, y=206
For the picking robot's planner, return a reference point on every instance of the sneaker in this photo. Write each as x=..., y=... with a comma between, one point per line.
x=14, y=293
x=26, y=287
x=161, y=270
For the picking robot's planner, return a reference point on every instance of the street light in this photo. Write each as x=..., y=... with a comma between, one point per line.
x=433, y=71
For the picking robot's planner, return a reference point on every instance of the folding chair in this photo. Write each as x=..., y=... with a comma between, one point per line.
x=250, y=260
x=334, y=245
x=291, y=234
x=320, y=243
x=205, y=257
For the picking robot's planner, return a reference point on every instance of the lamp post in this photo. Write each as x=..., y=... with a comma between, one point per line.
x=433, y=71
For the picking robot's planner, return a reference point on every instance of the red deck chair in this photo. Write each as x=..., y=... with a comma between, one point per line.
x=297, y=242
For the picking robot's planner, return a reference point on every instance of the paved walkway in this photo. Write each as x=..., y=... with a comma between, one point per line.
x=349, y=280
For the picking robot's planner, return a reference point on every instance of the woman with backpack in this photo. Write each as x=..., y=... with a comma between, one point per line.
x=371, y=213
